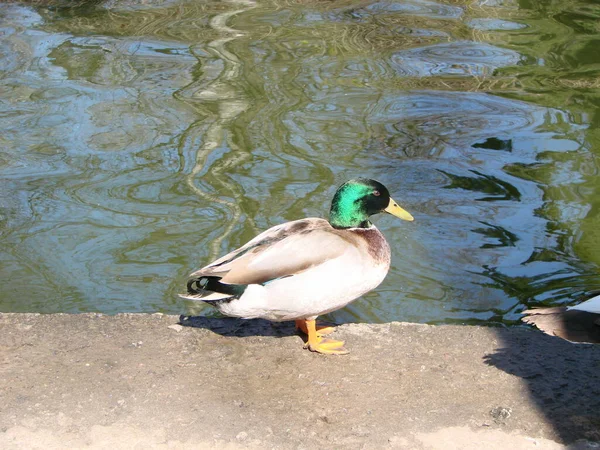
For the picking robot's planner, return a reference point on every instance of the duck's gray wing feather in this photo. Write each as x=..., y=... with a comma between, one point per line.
x=281, y=251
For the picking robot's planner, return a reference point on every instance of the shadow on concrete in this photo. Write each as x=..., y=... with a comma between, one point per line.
x=240, y=327
x=563, y=379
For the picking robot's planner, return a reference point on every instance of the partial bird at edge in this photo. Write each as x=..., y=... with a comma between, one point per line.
x=579, y=323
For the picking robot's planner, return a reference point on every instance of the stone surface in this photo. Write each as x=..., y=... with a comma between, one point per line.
x=125, y=381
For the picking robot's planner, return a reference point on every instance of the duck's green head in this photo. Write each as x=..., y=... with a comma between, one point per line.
x=356, y=200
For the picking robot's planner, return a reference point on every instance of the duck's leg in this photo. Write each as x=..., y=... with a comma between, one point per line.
x=318, y=344
x=321, y=330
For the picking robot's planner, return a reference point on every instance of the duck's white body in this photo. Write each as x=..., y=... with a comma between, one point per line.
x=299, y=270
x=324, y=288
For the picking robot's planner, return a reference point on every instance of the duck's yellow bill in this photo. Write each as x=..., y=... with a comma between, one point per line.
x=397, y=211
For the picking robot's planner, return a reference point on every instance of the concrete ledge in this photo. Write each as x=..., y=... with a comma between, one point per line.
x=94, y=381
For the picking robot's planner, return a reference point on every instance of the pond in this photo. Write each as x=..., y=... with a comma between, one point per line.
x=140, y=139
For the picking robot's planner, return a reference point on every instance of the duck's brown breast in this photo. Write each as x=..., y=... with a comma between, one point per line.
x=375, y=243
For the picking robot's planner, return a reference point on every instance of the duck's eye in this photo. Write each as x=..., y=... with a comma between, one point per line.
x=376, y=193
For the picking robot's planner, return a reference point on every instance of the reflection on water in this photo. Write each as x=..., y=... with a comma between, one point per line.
x=140, y=140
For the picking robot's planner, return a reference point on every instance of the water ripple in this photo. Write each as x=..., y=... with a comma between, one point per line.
x=456, y=58
x=411, y=7
x=489, y=24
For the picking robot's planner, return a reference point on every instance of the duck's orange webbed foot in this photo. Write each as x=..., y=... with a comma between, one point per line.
x=316, y=342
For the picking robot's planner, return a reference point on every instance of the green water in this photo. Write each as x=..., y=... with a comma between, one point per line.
x=141, y=139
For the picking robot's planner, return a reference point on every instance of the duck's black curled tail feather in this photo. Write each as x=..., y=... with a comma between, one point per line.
x=203, y=284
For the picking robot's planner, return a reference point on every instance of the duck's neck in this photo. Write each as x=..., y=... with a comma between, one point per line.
x=341, y=218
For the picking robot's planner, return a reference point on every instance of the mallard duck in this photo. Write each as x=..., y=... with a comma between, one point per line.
x=305, y=268
x=579, y=323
